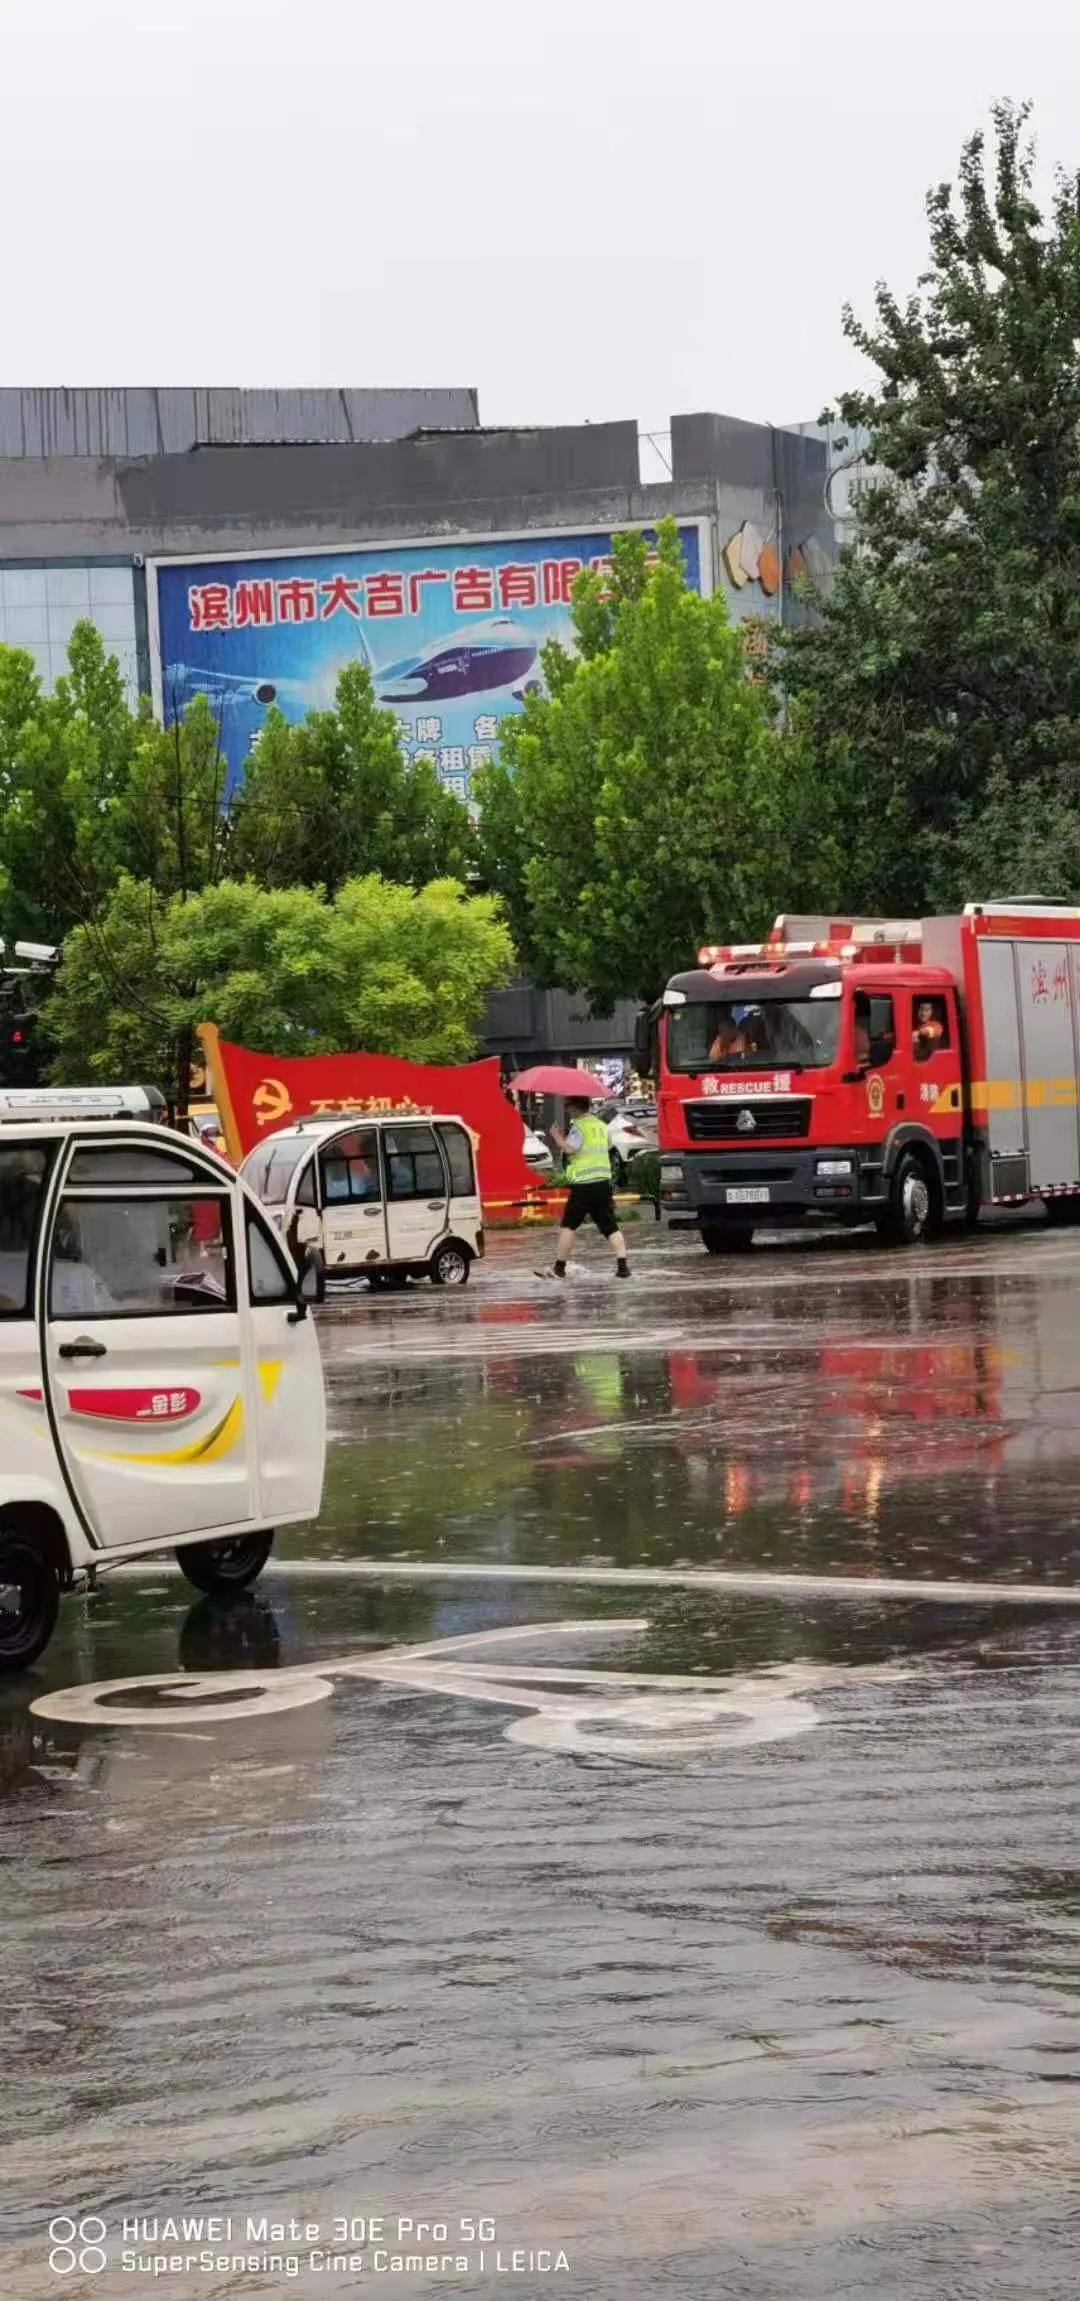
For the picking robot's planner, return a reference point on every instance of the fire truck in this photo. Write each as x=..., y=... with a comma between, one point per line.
x=905, y=1073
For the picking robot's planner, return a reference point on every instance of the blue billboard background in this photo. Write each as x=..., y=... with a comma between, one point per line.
x=451, y=633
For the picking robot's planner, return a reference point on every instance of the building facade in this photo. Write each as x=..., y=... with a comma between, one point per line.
x=245, y=545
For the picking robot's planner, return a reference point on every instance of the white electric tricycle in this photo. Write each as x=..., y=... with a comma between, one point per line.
x=386, y=1198
x=160, y=1380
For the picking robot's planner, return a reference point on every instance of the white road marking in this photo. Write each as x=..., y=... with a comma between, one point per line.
x=564, y=1710
x=749, y=1584
x=255, y=1694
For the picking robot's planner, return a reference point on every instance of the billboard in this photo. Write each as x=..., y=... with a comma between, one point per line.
x=451, y=633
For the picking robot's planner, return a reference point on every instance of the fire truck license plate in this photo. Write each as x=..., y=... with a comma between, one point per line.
x=748, y=1197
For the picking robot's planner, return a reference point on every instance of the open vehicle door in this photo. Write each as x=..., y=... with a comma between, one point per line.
x=149, y=1374
x=290, y=1401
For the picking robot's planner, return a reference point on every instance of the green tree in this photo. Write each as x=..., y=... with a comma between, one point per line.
x=144, y=845
x=391, y=969
x=118, y=838
x=64, y=760
x=941, y=686
x=113, y=1012
x=35, y=843
x=648, y=801
x=334, y=796
x=90, y=789
x=169, y=824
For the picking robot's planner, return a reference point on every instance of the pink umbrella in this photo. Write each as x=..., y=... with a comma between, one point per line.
x=559, y=1079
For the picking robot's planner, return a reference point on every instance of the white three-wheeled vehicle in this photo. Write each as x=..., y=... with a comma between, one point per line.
x=384, y=1198
x=160, y=1380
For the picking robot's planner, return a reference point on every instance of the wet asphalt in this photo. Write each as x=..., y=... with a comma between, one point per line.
x=759, y=1982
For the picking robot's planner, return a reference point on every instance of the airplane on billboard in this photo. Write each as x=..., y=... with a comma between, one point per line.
x=470, y=662
x=485, y=656
x=232, y=690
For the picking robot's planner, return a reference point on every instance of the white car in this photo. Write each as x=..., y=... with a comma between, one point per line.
x=631, y=1129
x=539, y=1155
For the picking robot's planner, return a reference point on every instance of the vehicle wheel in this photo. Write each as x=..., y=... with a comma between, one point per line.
x=29, y=1601
x=618, y=1172
x=388, y=1281
x=450, y=1265
x=912, y=1213
x=1062, y=1211
x=224, y=1566
x=726, y=1237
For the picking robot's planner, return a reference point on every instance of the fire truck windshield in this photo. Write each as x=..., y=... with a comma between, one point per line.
x=733, y=1035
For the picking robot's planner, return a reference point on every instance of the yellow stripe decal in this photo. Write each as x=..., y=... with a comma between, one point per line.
x=1013, y=1095
x=220, y=1440
x=218, y=1443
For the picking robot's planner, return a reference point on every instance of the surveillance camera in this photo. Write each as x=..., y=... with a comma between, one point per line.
x=44, y=954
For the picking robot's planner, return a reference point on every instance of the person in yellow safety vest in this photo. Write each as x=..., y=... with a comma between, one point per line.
x=588, y=1171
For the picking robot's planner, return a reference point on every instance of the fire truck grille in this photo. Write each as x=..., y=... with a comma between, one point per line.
x=714, y=1122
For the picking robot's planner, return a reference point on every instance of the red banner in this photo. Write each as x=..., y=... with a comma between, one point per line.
x=255, y=1094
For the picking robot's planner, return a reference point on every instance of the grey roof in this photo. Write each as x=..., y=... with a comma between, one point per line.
x=140, y=421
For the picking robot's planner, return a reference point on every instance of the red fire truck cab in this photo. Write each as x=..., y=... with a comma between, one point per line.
x=904, y=1073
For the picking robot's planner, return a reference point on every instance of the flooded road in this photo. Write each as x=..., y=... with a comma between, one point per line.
x=721, y=1939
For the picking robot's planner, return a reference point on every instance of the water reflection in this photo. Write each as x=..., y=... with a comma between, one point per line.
x=713, y=1635
x=371, y=1945
x=26, y=1771
x=238, y=1633
x=914, y=1419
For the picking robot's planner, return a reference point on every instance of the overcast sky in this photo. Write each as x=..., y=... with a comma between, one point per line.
x=585, y=209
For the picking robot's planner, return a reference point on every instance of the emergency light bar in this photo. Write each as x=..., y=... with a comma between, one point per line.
x=845, y=939
x=770, y=954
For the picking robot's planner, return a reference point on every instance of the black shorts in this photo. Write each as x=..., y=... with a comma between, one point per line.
x=591, y=1200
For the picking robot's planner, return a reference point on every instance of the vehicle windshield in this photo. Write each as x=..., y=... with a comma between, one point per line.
x=269, y=1170
x=737, y=1035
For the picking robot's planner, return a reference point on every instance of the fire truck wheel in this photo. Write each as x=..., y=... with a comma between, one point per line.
x=224, y=1566
x=726, y=1237
x=912, y=1203
x=1062, y=1210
